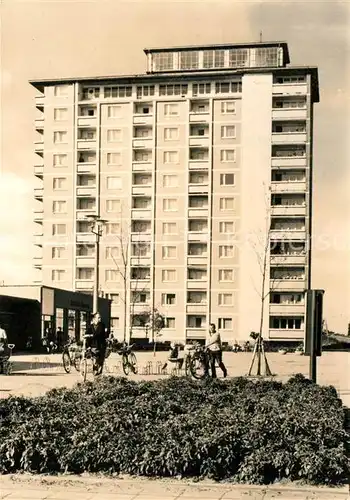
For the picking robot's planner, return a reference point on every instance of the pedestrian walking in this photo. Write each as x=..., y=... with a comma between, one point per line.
x=214, y=345
x=99, y=340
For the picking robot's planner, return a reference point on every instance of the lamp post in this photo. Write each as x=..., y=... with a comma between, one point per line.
x=96, y=228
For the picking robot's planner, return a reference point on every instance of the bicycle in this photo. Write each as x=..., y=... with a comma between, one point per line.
x=88, y=356
x=71, y=356
x=129, y=361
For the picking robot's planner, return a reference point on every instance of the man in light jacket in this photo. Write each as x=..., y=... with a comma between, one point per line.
x=215, y=347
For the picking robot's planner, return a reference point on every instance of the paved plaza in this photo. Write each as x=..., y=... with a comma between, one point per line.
x=33, y=375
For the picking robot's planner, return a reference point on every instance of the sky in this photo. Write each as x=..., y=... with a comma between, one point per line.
x=73, y=38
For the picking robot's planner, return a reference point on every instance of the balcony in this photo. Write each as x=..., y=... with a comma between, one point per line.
x=38, y=262
x=39, y=193
x=197, y=284
x=87, y=121
x=139, y=307
x=288, y=187
x=140, y=284
x=290, y=235
x=39, y=101
x=198, y=236
x=142, y=167
x=86, y=191
x=86, y=168
x=141, y=237
x=39, y=123
x=83, y=144
x=197, y=308
x=197, y=212
x=289, y=138
x=143, y=189
x=143, y=119
x=284, y=334
x=85, y=261
x=39, y=216
x=197, y=260
x=39, y=145
x=288, y=260
x=141, y=213
x=295, y=89
x=39, y=170
x=291, y=161
x=199, y=141
x=84, y=284
x=142, y=142
x=198, y=188
x=287, y=309
x=38, y=239
x=288, y=285
x=289, y=113
x=82, y=214
x=290, y=210
x=198, y=164
x=141, y=261
x=85, y=238
x=196, y=333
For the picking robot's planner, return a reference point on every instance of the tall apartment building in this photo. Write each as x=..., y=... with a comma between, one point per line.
x=194, y=166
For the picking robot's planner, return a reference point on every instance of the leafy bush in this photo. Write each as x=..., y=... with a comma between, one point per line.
x=245, y=431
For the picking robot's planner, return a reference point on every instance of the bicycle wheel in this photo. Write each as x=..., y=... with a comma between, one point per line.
x=188, y=366
x=197, y=367
x=133, y=362
x=66, y=361
x=126, y=366
x=85, y=368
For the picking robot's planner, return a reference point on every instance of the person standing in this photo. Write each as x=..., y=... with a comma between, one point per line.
x=215, y=347
x=99, y=340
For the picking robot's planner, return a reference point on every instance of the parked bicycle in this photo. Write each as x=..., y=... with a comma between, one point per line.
x=129, y=360
x=71, y=356
x=88, y=361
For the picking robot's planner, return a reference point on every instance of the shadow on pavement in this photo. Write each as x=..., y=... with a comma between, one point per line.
x=44, y=364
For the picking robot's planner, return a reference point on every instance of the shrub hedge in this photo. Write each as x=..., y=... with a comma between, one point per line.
x=241, y=430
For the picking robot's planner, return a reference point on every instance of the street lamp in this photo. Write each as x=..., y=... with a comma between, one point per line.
x=96, y=228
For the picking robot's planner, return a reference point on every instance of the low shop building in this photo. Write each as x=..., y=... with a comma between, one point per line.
x=28, y=313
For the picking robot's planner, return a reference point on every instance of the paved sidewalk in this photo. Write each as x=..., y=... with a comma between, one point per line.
x=86, y=487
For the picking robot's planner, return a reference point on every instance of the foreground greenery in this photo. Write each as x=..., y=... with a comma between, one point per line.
x=245, y=431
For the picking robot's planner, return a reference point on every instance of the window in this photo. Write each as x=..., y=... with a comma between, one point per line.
x=168, y=275
x=227, y=204
x=90, y=93
x=60, y=160
x=58, y=252
x=87, y=157
x=114, y=183
x=228, y=131
x=85, y=273
x=163, y=61
x=266, y=56
x=199, y=107
x=197, y=274
x=141, y=226
x=59, y=183
x=86, y=204
x=227, y=179
x=171, y=109
x=225, y=324
x=196, y=321
x=60, y=114
x=120, y=91
x=169, y=252
x=225, y=274
x=112, y=205
x=114, y=135
x=83, y=226
x=287, y=323
x=201, y=88
x=112, y=228
x=59, y=229
x=228, y=87
x=196, y=297
x=87, y=134
x=189, y=59
x=198, y=178
x=141, y=249
x=86, y=250
x=199, y=154
x=197, y=226
x=141, y=202
x=142, y=180
x=169, y=228
x=225, y=299
x=291, y=79
x=228, y=107
x=140, y=297
x=171, y=133
x=111, y=275
x=226, y=251
x=199, y=131
x=227, y=227
x=169, y=323
x=114, y=159
x=144, y=91
x=143, y=109
x=237, y=58
x=58, y=274
x=198, y=201
x=173, y=89
x=114, y=111
x=112, y=252
x=87, y=111
x=142, y=155
x=170, y=180
x=168, y=299
x=170, y=204
x=60, y=136
x=114, y=297
x=171, y=157
x=61, y=90
x=143, y=132
x=289, y=103
x=140, y=273
x=227, y=155
x=59, y=207
x=198, y=249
